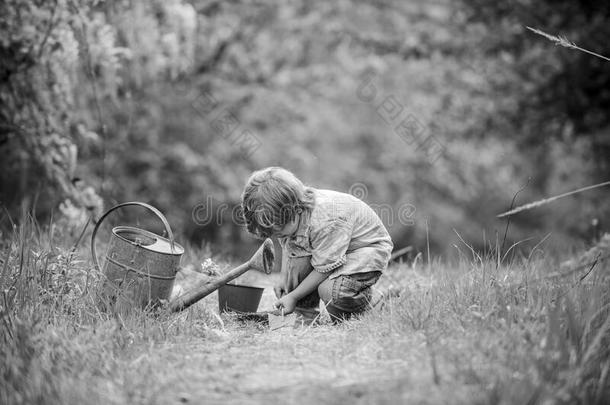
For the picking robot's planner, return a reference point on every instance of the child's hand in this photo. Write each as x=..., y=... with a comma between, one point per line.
x=288, y=303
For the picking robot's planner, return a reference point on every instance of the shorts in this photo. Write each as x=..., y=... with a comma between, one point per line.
x=349, y=294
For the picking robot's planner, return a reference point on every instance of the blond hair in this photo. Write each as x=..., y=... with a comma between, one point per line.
x=272, y=197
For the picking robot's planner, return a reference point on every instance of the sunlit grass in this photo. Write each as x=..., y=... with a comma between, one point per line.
x=475, y=331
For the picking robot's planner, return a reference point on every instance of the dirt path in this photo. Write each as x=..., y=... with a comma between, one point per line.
x=324, y=364
x=237, y=362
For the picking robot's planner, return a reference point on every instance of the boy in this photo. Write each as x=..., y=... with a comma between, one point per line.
x=334, y=246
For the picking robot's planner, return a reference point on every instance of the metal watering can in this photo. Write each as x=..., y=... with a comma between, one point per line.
x=140, y=266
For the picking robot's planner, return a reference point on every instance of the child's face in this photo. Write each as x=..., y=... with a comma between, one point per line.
x=289, y=229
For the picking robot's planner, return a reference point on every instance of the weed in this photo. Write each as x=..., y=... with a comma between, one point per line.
x=486, y=328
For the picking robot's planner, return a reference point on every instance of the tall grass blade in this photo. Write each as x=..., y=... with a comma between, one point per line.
x=562, y=41
x=5, y=269
x=551, y=199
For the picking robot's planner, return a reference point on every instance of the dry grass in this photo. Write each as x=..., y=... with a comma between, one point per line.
x=563, y=41
x=529, y=331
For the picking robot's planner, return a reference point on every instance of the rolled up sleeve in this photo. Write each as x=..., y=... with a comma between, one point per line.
x=329, y=245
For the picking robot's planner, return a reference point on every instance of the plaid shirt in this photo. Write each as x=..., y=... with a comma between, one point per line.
x=342, y=234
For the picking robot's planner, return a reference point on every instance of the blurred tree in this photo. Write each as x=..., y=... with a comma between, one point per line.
x=554, y=100
x=176, y=102
x=39, y=127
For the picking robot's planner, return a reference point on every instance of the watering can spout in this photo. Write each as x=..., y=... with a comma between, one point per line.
x=263, y=260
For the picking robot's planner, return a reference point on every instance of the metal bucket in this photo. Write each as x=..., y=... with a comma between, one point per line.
x=139, y=267
x=241, y=298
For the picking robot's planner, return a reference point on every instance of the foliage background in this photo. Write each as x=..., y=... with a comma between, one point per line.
x=104, y=102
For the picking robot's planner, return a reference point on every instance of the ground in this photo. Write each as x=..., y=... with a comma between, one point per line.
x=476, y=331
x=246, y=362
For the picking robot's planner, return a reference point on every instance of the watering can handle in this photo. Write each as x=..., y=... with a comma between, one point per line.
x=158, y=213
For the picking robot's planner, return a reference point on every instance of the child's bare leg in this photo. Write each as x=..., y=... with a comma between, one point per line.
x=294, y=270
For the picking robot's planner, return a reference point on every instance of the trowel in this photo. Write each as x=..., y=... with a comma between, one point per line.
x=277, y=320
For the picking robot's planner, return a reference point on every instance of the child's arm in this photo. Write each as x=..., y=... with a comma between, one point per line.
x=329, y=246
x=289, y=301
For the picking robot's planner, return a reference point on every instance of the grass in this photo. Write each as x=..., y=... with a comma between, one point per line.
x=472, y=332
x=563, y=41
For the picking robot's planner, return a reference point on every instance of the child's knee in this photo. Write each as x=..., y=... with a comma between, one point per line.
x=325, y=290
x=350, y=293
